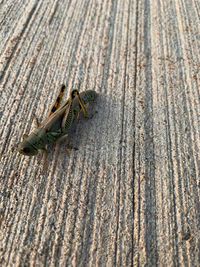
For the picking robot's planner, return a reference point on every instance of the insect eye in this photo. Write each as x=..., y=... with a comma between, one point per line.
x=26, y=149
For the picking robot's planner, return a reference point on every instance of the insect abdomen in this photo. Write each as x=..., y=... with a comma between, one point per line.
x=86, y=97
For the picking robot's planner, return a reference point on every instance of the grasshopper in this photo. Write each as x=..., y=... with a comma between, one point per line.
x=57, y=124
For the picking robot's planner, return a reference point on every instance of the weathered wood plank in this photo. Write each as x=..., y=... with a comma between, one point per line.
x=130, y=195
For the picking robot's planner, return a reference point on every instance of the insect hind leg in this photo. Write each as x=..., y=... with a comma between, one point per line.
x=83, y=107
x=57, y=102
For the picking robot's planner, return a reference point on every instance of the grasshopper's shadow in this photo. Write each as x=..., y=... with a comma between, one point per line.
x=82, y=132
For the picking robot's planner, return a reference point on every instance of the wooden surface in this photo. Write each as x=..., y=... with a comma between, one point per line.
x=130, y=195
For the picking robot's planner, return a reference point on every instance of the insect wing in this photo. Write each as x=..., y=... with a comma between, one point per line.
x=54, y=122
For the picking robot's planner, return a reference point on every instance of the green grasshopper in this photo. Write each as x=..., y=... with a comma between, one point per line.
x=57, y=124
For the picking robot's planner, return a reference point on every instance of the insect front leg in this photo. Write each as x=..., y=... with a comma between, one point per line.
x=37, y=122
x=24, y=137
x=44, y=158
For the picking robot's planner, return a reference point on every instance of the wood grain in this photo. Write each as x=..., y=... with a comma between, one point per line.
x=130, y=195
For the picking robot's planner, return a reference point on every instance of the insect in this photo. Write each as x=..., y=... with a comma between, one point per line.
x=56, y=126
